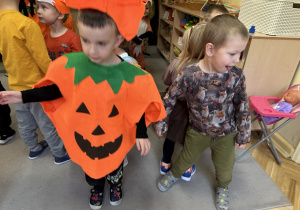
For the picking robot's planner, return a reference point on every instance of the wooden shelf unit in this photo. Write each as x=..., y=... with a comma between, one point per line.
x=169, y=31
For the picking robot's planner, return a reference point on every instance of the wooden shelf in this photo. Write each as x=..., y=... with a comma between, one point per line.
x=195, y=13
x=179, y=28
x=164, y=53
x=180, y=47
x=168, y=21
x=163, y=34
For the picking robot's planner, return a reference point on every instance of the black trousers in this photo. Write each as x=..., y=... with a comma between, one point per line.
x=114, y=179
x=5, y=119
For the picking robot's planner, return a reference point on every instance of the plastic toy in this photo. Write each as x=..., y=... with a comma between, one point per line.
x=191, y=22
x=185, y=20
x=290, y=99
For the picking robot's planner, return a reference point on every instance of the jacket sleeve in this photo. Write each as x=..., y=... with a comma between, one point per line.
x=242, y=115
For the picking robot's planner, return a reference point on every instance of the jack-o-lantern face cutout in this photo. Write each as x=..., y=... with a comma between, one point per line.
x=101, y=151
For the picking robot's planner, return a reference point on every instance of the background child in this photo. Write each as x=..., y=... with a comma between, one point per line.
x=136, y=45
x=121, y=97
x=218, y=104
x=26, y=60
x=179, y=118
x=59, y=40
x=124, y=55
x=214, y=10
x=6, y=132
x=32, y=9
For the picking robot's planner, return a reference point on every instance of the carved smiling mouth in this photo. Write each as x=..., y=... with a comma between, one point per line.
x=98, y=152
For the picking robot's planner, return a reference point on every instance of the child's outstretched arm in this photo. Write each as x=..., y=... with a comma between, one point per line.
x=46, y=93
x=10, y=97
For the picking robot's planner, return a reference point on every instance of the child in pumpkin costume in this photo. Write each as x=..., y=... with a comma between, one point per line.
x=102, y=104
x=26, y=60
x=59, y=40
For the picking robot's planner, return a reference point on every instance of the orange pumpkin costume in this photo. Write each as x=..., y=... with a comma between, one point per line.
x=97, y=115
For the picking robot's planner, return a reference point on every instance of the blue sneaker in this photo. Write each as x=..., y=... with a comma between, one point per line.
x=116, y=195
x=35, y=154
x=164, y=167
x=96, y=199
x=188, y=173
x=61, y=160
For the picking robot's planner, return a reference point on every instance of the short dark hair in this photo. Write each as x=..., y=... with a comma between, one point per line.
x=218, y=7
x=215, y=7
x=218, y=30
x=96, y=19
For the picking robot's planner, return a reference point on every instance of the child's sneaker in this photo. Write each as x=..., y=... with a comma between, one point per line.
x=222, y=199
x=61, y=160
x=188, y=173
x=116, y=194
x=8, y=135
x=35, y=154
x=166, y=182
x=96, y=199
x=164, y=167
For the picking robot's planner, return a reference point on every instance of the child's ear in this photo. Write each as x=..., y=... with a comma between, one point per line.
x=209, y=49
x=60, y=16
x=119, y=40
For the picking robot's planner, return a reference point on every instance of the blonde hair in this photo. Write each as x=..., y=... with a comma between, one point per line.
x=219, y=29
x=191, y=44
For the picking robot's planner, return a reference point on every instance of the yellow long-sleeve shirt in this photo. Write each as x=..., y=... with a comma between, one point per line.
x=23, y=49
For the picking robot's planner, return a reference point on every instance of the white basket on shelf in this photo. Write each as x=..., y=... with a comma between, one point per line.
x=272, y=17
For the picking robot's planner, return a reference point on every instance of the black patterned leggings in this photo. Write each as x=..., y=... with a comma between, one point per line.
x=114, y=179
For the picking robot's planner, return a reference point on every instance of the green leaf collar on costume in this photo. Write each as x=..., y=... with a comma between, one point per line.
x=114, y=74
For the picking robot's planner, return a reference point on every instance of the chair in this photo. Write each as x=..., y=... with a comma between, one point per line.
x=264, y=110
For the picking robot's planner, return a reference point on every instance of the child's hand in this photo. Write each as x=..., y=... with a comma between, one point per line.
x=137, y=50
x=241, y=146
x=7, y=97
x=159, y=133
x=143, y=145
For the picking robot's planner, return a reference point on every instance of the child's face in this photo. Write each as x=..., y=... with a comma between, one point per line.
x=47, y=13
x=225, y=57
x=147, y=10
x=99, y=43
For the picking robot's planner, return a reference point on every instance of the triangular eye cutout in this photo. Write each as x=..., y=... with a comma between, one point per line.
x=82, y=109
x=114, y=112
x=98, y=131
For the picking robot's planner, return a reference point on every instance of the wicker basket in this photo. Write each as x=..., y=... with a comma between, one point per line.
x=271, y=17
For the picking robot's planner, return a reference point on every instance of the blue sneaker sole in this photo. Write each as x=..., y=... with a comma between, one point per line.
x=161, y=171
x=188, y=178
x=36, y=154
